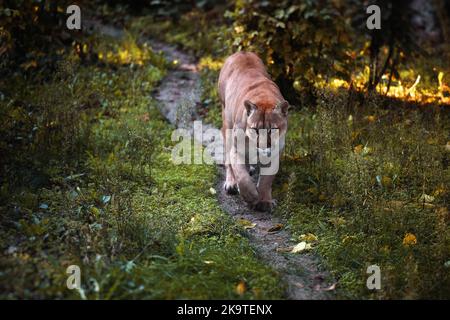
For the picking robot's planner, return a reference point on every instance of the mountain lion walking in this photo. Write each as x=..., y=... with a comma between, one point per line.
x=251, y=104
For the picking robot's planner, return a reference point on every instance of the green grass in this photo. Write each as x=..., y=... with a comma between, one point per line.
x=88, y=180
x=365, y=176
x=361, y=180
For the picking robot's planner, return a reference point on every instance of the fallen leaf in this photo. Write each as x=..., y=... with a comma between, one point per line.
x=409, y=239
x=358, y=149
x=300, y=247
x=330, y=288
x=426, y=198
x=240, y=288
x=212, y=191
x=309, y=237
x=275, y=228
x=247, y=224
x=371, y=118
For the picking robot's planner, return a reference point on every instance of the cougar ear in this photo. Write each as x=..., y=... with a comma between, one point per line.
x=249, y=106
x=283, y=106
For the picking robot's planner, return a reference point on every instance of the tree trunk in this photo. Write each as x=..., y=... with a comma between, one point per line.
x=444, y=21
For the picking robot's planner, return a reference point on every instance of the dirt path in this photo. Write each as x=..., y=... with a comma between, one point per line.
x=179, y=98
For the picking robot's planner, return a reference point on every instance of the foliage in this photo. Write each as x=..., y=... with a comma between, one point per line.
x=372, y=185
x=87, y=180
x=301, y=42
x=86, y=176
x=366, y=176
x=33, y=33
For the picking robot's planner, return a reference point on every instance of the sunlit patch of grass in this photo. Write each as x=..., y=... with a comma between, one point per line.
x=210, y=63
x=127, y=52
x=412, y=86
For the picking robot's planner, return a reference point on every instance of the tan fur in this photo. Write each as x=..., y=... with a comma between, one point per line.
x=250, y=99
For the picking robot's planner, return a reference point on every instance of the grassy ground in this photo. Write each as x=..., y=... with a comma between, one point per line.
x=87, y=180
x=372, y=186
x=364, y=179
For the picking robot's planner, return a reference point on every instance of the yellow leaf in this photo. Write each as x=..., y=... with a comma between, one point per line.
x=371, y=118
x=409, y=239
x=247, y=224
x=241, y=288
x=309, y=237
x=358, y=149
x=239, y=29
x=212, y=191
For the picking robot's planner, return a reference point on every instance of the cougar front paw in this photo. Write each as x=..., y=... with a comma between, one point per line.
x=265, y=205
x=230, y=187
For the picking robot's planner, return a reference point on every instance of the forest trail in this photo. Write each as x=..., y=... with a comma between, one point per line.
x=179, y=98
